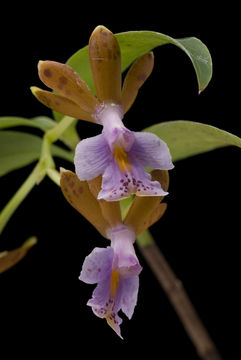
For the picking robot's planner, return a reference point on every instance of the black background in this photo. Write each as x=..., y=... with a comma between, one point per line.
x=42, y=302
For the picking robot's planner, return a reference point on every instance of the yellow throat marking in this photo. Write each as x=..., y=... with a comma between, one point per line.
x=122, y=159
x=114, y=283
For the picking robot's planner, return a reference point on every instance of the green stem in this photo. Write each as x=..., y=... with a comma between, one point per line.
x=44, y=166
x=55, y=133
x=54, y=175
x=70, y=137
x=35, y=177
x=178, y=297
x=145, y=239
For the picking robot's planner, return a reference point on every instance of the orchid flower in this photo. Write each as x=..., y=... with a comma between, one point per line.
x=114, y=269
x=118, y=154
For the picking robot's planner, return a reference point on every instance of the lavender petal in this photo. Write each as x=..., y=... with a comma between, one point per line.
x=97, y=265
x=92, y=156
x=130, y=288
x=151, y=151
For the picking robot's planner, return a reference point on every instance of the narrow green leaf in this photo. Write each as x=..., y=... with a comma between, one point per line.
x=18, y=149
x=70, y=136
x=80, y=63
x=135, y=43
x=44, y=123
x=187, y=138
x=10, y=258
x=41, y=122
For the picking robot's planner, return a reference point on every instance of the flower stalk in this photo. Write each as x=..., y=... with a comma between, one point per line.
x=45, y=166
x=33, y=179
x=178, y=297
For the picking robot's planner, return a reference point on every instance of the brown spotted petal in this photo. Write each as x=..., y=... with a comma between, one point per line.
x=146, y=210
x=110, y=209
x=11, y=258
x=64, y=80
x=157, y=213
x=77, y=193
x=60, y=104
x=163, y=177
x=105, y=62
x=135, y=78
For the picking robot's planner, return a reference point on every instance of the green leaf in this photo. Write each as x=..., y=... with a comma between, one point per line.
x=41, y=122
x=80, y=63
x=44, y=123
x=11, y=258
x=187, y=138
x=18, y=149
x=135, y=43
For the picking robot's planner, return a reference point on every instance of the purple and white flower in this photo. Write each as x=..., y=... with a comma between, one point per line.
x=115, y=270
x=121, y=156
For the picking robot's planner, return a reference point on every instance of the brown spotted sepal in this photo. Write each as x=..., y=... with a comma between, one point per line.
x=10, y=258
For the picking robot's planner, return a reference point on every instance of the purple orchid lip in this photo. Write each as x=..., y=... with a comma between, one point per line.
x=115, y=269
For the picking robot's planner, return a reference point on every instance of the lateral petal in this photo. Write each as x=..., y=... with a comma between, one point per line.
x=61, y=104
x=110, y=210
x=92, y=156
x=136, y=76
x=77, y=193
x=151, y=151
x=63, y=79
x=146, y=210
x=97, y=265
x=130, y=287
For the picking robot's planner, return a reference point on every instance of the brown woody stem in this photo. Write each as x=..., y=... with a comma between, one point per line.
x=177, y=295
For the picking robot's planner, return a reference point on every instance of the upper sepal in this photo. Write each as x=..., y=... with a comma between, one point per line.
x=105, y=62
